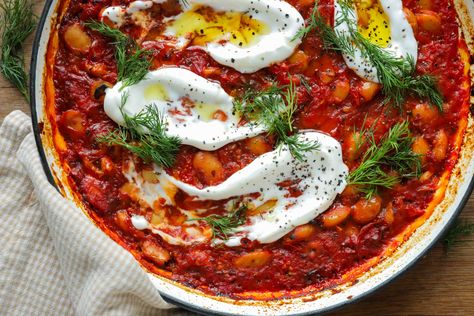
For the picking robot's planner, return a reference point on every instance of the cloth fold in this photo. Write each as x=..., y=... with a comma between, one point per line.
x=53, y=260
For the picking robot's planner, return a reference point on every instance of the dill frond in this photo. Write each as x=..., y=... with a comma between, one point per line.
x=224, y=225
x=108, y=31
x=397, y=75
x=331, y=39
x=144, y=135
x=274, y=108
x=134, y=67
x=132, y=61
x=393, y=153
x=305, y=83
x=458, y=230
x=17, y=22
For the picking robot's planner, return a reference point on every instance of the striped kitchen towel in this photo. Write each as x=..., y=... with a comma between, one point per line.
x=53, y=261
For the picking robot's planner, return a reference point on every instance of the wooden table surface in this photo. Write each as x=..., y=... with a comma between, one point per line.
x=439, y=284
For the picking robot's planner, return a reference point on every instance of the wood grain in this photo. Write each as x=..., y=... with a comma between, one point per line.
x=439, y=284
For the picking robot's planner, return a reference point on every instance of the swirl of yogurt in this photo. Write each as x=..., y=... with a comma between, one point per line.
x=319, y=177
x=171, y=90
x=283, y=20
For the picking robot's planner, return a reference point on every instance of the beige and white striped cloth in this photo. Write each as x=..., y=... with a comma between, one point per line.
x=53, y=261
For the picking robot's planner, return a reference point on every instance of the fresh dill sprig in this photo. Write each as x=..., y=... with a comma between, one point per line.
x=392, y=153
x=223, y=225
x=133, y=67
x=397, y=75
x=144, y=135
x=132, y=61
x=17, y=22
x=331, y=39
x=274, y=108
x=108, y=31
x=458, y=230
x=359, y=136
x=305, y=84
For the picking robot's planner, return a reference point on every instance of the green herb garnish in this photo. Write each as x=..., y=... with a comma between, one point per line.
x=274, y=108
x=144, y=135
x=17, y=22
x=132, y=61
x=223, y=225
x=305, y=84
x=397, y=75
x=392, y=153
x=458, y=230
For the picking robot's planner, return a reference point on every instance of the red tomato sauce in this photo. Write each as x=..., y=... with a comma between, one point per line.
x=337, y=102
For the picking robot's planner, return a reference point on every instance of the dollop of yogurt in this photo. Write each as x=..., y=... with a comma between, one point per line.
x=283, y=21
x=189, y=104
x=319, y=178
x=402, y=42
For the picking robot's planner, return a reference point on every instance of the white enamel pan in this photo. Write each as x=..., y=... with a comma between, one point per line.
x=459, y=188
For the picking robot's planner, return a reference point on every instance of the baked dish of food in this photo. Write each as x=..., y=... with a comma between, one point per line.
x=258, y=149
